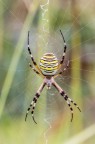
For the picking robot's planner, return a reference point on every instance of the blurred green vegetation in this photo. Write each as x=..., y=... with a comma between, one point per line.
x=18, y=84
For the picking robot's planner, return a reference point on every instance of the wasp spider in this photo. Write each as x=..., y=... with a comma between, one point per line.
x=48, y=70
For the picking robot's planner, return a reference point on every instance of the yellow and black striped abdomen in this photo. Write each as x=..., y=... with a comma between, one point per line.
x=49, y=64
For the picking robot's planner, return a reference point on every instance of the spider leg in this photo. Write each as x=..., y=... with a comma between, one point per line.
x=32, y=105
x=35, y=64
x=33, y=108
x=67, y=99
x=74, y=104
x=34, y=101
x=29, y=108
x=65, y=47
x=35, y=70
x=56, y=75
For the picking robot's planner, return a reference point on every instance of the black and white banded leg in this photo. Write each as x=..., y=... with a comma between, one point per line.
x=65, y=47
x=35, y=64
x=61, y=72
x=35, y=70
x=67, y=99
x=74, y=104
x=34, y=101
x=34, y=104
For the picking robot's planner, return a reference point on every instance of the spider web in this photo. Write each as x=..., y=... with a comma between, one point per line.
x=51, y=106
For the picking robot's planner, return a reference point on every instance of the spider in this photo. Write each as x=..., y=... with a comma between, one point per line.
x=49, y=69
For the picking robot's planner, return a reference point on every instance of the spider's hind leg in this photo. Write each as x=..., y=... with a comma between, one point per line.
x=67, y=99
x=29, y=108
x=74, y=104
x=34, y=101
x=32, y=105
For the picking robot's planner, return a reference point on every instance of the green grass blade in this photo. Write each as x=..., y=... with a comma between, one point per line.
x=83, y=136
x=16, y=56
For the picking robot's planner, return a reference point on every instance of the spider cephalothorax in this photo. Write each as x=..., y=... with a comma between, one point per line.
x=48, y=70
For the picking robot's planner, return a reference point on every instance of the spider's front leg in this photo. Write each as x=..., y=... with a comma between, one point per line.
x=65, y=47
x=32, y=58
x=67, y=99
x=34, y=101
